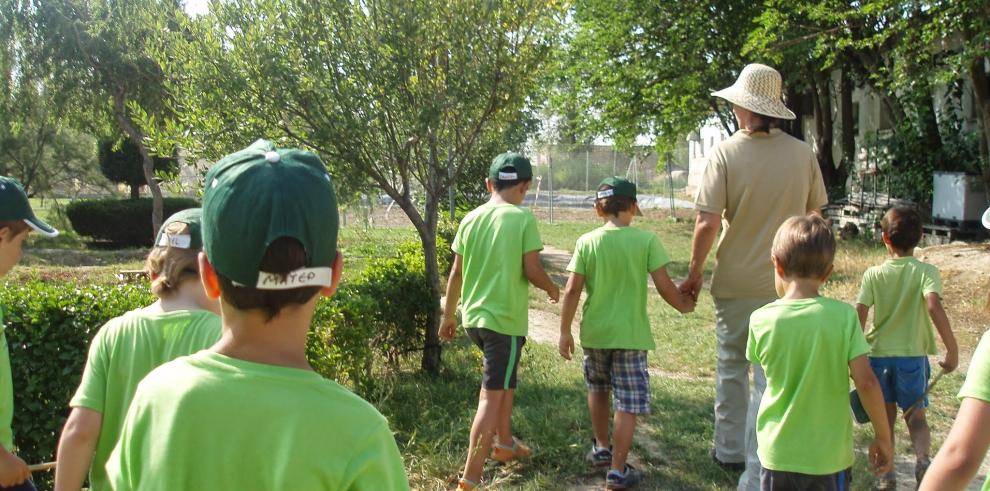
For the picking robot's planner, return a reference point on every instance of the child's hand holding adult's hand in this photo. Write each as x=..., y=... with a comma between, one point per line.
x=448, y=327
x=566, y=345
x=13, y=470
x=880, y=457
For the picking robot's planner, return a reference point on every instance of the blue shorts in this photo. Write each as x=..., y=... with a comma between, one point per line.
x=622, y=371
x=902, y=378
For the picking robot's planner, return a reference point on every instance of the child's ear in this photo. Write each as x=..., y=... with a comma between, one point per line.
x=338, y=265
x=885, y=238
x=489, y=185
x=598, y=209
x=5, y=234
x=208, y=276
x=777, y=266
x=828, y=273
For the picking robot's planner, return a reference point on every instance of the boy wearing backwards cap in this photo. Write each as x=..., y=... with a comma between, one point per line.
x=613, y=261
x=250, y=413
x=182, y=321
x=496, y=250
x=16, y=220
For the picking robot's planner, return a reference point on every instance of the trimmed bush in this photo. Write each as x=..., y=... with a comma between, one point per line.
x=120, y=222
x=124, y=164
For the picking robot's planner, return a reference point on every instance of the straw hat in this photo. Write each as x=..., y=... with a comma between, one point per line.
x=758, y=89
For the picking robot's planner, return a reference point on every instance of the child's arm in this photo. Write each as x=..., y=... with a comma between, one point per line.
x=941, y=322
x=538, y=277
x=962, y=453
x=863, y=311
x=870, y=394
x=448, y=326
x=13, y=470
x=683, y=301
x=572, y=295
x=76, y=447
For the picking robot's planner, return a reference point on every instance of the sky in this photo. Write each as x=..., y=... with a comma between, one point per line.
x=196, y=7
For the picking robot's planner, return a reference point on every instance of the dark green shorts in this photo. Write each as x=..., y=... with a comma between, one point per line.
x=501, y=354
x=788, y=481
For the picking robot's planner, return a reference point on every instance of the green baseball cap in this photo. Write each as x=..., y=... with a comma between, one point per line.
x=510, y=166
x=617, y=186
x=14, y=205
x=192, y=218
x=259, y=194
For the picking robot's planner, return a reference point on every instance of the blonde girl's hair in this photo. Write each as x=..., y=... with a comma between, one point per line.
x=171, y=265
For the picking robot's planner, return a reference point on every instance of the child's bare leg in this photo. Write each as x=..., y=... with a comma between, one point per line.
x=891, y=420
x=598, y=406
x=625, y=424
x=483, y=428
x=504, y=430
x=921, y=437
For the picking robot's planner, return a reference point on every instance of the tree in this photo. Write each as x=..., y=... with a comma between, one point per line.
x=396, y=93
x=96, y=54
x=647, y=68
x=121, y=162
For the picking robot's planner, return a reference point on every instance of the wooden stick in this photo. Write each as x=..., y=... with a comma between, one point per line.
x=47, y=466
x=922, y=398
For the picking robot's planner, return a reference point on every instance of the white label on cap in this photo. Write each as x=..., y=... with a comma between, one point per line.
x=507, y=176
x=605, y=193
x=272, y=156
x=295, y=279
x=180, y=241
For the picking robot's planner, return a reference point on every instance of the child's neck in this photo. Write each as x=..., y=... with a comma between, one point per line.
x=281, y=341
x=623, y=219
x=509, y=196
x=801, y=288
x=188, y=296
x=897, y=253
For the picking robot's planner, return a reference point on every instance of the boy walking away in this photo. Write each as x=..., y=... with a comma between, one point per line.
x=250, y=413
x=496, y=250
x=808, y=345
x=16, y=220
x=613, y=261
x=906, y=294
x=182, y=321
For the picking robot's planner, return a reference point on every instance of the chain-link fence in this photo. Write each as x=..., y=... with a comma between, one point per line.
x=566, y=176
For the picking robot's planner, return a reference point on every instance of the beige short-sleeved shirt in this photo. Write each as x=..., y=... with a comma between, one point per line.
x=756, y=182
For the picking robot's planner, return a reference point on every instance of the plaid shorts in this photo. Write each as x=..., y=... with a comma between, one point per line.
x=623, y=371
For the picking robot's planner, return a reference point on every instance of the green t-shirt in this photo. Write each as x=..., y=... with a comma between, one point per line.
x=896, y=289
x=124, y=350
x=6, y=392
x=616, y=262
x=208, y=421
x=805, y=347
x=492, y=240
x=977, y=384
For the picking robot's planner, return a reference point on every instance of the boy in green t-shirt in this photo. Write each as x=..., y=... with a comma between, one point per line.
x=613, y=261
x=182, y=321
x=907, y=296
x=250, y=412
x=16, y=220
x=496, y=250
x=808, y=345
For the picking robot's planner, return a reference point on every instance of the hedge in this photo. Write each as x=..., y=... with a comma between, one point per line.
x=49, y=325
x=120, y=222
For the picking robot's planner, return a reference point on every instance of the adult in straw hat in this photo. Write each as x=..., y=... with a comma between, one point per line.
x=754, y=180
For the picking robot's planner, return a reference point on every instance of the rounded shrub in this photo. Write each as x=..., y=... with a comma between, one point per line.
x=120, y=222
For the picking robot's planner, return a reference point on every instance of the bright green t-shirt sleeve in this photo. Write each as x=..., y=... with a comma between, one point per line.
x=577, y=263
x=531, y=235
x=377, y=464
x=92, y=390
x=752, y=351
x=458, y=244
x=858, y=346
x=865, y=291
x=931, y=282
x=977, y=384
x=658, y=256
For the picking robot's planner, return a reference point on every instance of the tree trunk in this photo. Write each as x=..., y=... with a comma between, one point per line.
x=847, y=126
x=135, y=191
x=147, y=163
x=981, y=92
x=824, y=127
x=426, y=227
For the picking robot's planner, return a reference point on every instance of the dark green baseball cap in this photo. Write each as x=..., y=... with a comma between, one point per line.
x=14, y=205
x=617, y=186
x=193, y=239
x=259, y=194
x=510, y=166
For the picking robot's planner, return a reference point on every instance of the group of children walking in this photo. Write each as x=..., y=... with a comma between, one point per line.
x=209, y=387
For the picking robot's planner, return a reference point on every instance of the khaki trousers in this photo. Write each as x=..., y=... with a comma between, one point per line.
x=735, y=404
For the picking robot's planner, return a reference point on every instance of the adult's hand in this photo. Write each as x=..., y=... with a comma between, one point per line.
x=691, y=286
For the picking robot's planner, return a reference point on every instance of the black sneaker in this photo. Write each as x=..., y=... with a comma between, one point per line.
x=598, y=456
x=729, y=466
x=920, y=467
x=616, y=480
